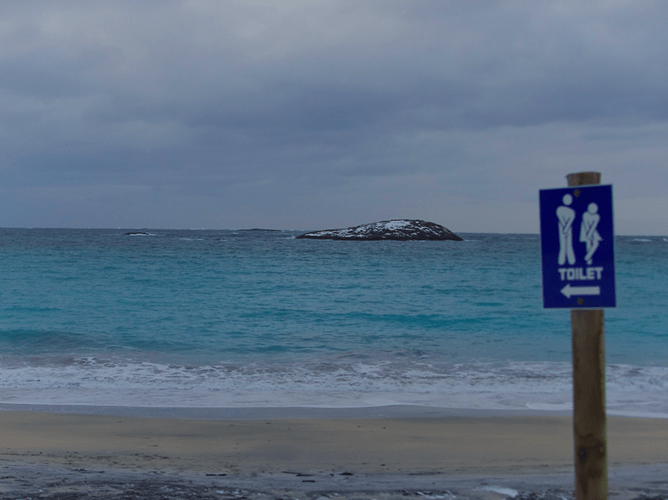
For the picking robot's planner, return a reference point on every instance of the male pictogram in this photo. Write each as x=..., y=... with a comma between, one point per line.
x=566, y=216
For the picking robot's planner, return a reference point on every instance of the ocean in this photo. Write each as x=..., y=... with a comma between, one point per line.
x=234, y=319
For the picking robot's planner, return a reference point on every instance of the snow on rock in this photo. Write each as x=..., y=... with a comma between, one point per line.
x=396, y=229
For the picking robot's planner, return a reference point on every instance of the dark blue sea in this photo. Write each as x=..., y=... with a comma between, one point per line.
x=200, y=318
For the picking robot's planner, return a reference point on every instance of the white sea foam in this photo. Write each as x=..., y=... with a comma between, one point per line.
x=501, y=490
x=540, y=386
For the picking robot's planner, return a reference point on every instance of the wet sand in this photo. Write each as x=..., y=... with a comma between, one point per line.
x=286, y=457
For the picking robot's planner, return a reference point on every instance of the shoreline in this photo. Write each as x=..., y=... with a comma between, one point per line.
x=278, y=412
x=301, y=412
x=272, y=455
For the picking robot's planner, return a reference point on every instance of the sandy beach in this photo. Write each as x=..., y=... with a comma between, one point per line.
x=468, y=455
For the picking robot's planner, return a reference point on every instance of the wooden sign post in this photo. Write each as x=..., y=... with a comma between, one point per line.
x=589, y=419
x=578, y=269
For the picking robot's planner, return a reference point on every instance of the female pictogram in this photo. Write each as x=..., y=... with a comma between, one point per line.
x=588, y=233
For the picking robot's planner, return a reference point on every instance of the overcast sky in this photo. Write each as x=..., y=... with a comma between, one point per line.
x=315, y=114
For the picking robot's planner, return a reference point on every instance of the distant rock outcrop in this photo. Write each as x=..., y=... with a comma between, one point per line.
x=396, y=229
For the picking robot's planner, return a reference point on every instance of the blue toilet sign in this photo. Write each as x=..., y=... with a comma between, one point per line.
x=577, y=247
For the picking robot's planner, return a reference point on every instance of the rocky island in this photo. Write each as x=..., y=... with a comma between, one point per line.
x=395, y=229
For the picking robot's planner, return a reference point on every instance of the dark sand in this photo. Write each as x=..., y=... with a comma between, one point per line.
x=465, y=455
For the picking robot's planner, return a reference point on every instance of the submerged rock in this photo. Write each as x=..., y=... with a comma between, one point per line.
x=395, y=229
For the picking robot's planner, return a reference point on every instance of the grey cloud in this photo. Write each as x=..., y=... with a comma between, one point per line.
x=200, y=96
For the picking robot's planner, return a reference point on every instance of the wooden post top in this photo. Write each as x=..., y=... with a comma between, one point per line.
x=584, y=178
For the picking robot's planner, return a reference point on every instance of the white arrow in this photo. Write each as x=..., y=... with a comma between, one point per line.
x=569, y=290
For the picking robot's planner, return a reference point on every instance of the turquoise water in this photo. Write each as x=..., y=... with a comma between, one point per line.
x=255, y=318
